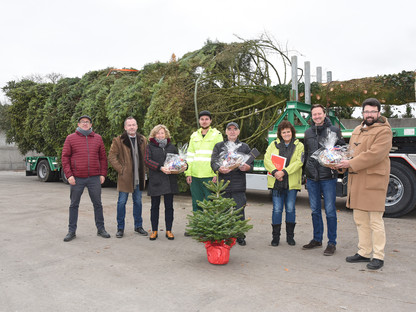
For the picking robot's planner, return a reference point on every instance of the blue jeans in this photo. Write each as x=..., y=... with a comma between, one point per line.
x=280, y=199
x=328, y=189
x=137, y=208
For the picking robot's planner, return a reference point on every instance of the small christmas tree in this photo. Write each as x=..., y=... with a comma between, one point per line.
x=219, y=220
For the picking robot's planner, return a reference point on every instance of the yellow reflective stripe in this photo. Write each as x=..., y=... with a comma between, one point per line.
x=207, y=152
x=202, y=159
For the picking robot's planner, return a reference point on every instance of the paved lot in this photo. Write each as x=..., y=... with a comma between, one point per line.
x=39, y=272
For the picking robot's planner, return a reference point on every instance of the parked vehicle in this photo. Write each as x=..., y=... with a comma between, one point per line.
x=46, y=168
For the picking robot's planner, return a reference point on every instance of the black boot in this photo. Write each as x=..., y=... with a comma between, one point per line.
x=290, y=228
x=276, y=234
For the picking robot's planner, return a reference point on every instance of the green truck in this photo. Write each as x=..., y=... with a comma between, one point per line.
x=401, y=194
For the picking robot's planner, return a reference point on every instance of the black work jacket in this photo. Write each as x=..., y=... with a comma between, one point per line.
x=236, y=177
x=313, y=136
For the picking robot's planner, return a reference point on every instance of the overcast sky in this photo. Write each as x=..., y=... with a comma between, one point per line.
x=353, y=39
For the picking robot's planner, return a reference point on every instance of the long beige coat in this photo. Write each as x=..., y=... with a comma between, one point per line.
x=370, y=167
x=121, y=158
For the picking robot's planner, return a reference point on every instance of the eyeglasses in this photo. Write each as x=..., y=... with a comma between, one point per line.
x=370, y=112
x=84, y=122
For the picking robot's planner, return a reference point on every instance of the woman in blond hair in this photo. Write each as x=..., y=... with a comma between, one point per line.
x=161, y=181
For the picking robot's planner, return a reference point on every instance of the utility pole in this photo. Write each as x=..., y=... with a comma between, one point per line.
x=307, y=82
x=319, y=74
x=295, y=77
x=329, y=76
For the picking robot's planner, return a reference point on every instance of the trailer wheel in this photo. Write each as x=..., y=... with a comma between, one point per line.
x=63, y=176
x=401, y=192
x=44, y=172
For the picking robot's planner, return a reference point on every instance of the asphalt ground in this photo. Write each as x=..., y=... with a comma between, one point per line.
x=40, y=272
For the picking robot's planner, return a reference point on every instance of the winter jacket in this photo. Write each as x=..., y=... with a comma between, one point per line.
x=236, y=177
x=121, y=158
x=159, y=182
x=312, y=140
x=84, y=156
x=200, y=151
x=369, y=174
x=293, y=169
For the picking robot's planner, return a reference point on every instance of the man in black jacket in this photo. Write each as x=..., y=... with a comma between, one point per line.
x=321, y=180
x=237, y=177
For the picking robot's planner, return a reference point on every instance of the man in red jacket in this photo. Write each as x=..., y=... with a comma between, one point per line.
x=85, y=165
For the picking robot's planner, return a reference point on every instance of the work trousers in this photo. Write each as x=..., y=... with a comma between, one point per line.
x=371, y=233
x=199, y=191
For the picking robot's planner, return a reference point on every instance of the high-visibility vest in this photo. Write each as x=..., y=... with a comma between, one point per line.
x=199, y=153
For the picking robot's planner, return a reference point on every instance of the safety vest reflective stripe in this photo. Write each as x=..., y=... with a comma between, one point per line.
x=203, y=152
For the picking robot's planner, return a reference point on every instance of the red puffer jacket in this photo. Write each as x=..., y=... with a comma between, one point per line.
x=84, y=157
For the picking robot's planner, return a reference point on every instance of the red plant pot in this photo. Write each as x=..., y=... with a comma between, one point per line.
x=219, y=252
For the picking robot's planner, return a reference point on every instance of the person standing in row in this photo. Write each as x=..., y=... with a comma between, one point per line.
x=200, y=148
x=237, y=177
x=85, y=164
x=127, y=158
x=161, y=181
x=321, y=180
x=286, y=182
x=368, y=179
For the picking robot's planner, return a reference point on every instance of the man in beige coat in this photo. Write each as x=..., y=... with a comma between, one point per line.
x=368, y=179
x=127, y=158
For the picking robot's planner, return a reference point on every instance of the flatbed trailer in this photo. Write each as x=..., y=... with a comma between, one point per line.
x=46, y=168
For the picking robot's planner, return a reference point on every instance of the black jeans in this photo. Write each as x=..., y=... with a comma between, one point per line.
x=154, y=211
x=93, y=185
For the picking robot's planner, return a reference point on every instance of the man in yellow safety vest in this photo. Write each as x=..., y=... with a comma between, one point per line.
x=200, y=148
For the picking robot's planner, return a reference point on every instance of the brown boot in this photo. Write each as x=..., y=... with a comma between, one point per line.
x=169, y=235
x=153, y=236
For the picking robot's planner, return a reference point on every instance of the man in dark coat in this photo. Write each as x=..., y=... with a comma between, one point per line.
x=127, y=158
x=368, y=180
x=321, y=180
x=237, y=177
x=85, y=165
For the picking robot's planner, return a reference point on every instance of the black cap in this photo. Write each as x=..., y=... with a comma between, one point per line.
x=85, y=116
x=232, y=123
x=205, y=113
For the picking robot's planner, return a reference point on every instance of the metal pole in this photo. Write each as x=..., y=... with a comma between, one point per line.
x=319, y=74
x=328, y=76
x=295, y=76
x=307, y=82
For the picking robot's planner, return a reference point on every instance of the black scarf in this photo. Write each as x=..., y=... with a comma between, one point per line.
x=284, y=151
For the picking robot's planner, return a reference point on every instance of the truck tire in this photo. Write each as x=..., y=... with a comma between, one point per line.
x=63, y=177
x=401, y=192
x=44, y=172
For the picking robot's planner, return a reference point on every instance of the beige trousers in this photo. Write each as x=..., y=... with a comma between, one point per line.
x=371, y=233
